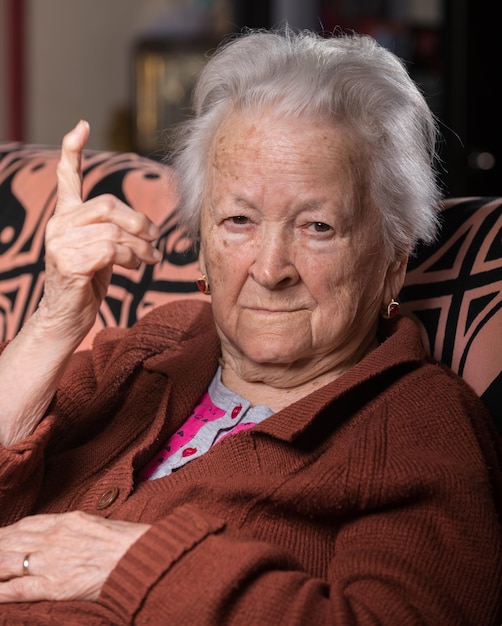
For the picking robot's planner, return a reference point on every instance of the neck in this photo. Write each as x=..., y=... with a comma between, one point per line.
x=278, y=386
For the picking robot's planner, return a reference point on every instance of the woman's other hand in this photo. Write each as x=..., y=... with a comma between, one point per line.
x=69, y=555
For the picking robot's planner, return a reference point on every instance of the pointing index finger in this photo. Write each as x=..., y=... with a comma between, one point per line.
x=69, y=172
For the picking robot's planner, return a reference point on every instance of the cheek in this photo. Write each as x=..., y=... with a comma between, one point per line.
x=223, y=266
x=349, y=283
x=371, y=286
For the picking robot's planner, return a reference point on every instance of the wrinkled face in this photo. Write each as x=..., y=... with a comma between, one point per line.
x=296, y=265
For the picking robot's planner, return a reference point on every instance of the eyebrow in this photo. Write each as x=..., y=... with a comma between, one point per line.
x=309, y=205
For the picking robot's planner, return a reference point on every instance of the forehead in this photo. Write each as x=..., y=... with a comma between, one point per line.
x=300, y=143
x=284, y=165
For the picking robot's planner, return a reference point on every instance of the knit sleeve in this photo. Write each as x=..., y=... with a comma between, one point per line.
x=189, y=569
x=21, y=471
x=390, y=569
x=22, y=465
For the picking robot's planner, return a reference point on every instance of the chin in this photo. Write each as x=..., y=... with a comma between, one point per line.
x=273, y=353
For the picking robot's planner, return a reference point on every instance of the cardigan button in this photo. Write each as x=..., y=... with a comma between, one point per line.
x=107, y=498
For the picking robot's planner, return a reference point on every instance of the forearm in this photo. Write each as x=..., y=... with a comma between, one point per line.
x=191, y=567
x=31, y=366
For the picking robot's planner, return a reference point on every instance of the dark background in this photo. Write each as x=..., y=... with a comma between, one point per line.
x=456, y=62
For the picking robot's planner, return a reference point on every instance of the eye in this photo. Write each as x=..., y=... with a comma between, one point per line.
x=320, y=227
x=239, y=219
x=238, y=224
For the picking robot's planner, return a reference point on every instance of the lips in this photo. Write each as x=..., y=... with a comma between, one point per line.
x=266, y=311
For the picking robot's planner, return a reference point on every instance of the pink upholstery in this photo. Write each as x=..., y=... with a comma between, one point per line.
x=453, y=289
x=27, y=200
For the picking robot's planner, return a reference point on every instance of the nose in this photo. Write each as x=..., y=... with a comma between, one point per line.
x=273, y=266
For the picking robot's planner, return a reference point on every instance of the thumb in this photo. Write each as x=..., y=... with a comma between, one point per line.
x=69, y=171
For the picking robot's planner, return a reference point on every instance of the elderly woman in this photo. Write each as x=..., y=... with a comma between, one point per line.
x=285, y=453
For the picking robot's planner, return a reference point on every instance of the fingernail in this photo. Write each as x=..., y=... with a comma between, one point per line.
x=83, y=124
x=153, y=231
x=157, y=254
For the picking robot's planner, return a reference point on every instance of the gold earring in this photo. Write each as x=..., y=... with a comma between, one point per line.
x=203, y=285
x=392, y=310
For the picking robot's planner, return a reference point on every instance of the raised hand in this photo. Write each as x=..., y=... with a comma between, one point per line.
x=83, y=241
x=69, y=556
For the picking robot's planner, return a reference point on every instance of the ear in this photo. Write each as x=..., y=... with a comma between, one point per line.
x=394, y=278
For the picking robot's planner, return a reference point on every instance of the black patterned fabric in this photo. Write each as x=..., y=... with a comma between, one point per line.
x=27, y=200
x=453, y=289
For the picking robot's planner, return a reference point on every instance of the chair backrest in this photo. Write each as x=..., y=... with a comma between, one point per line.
x=453, y=289
x=27, y=200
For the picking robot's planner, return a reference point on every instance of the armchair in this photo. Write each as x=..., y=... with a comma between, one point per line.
x=453, y=289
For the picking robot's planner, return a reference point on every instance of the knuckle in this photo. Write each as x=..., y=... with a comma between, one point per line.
x=137, y=222
x=106, y=206
x=107, y=252
x=145, y=249
x=25, y=523
x=112, y=232
x=76, y=516
x=141, y=221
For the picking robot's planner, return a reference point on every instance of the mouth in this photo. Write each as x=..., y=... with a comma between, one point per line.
x=273, y=311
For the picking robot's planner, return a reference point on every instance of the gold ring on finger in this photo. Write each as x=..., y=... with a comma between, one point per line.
x=26, y=564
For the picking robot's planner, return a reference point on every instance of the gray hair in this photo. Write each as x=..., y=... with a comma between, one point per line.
x=346, y=79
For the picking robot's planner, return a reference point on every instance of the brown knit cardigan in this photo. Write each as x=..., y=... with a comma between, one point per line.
x=375, y=500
